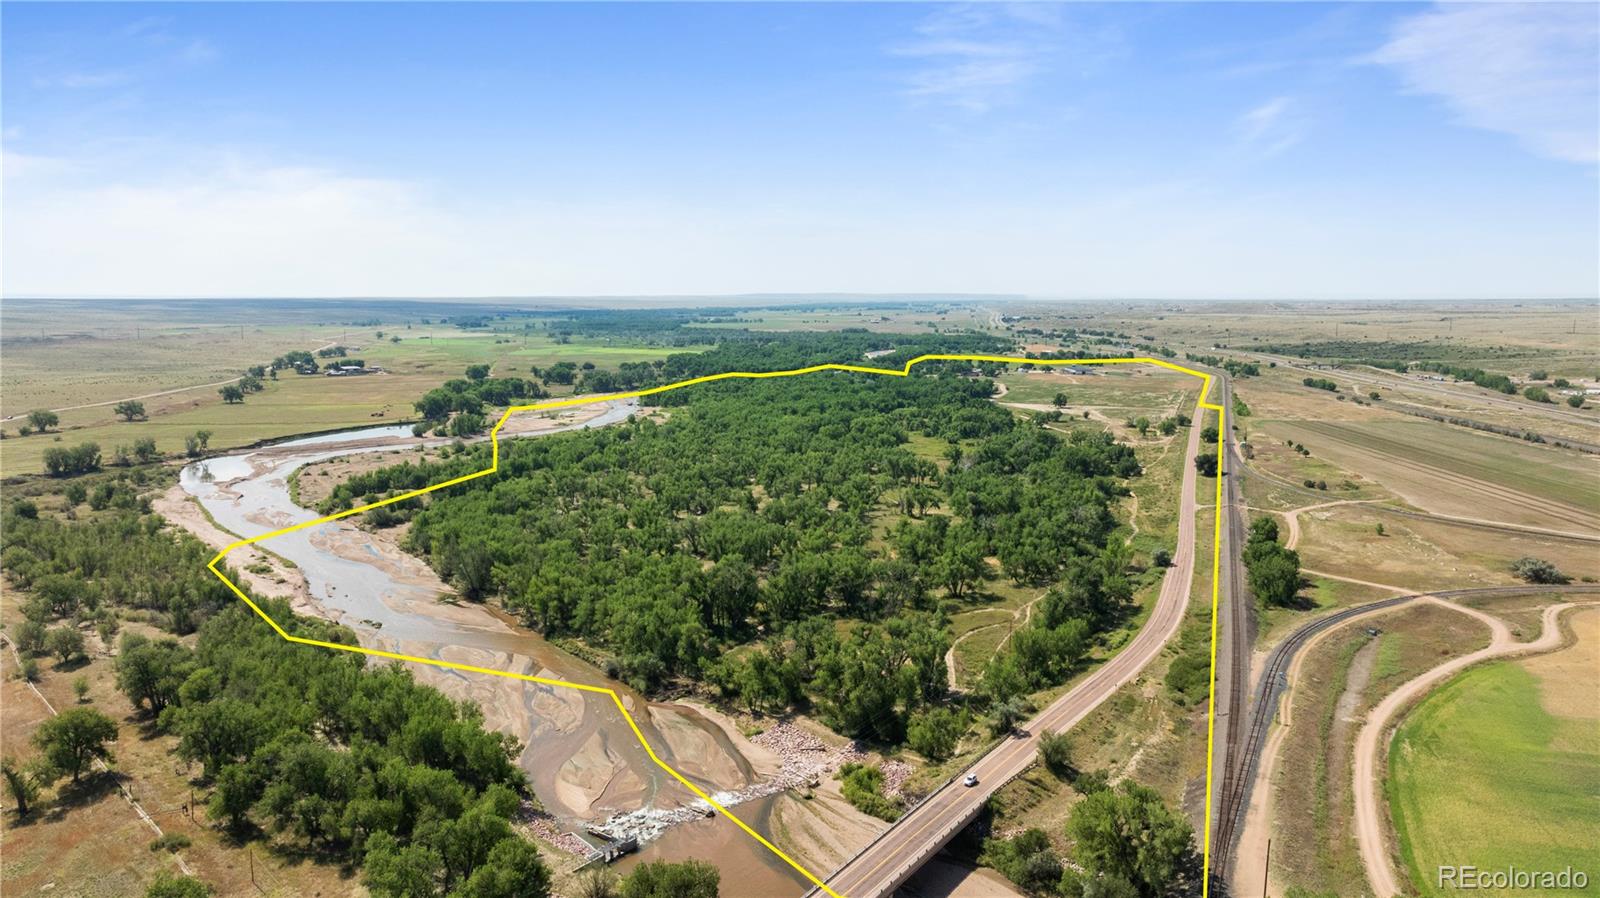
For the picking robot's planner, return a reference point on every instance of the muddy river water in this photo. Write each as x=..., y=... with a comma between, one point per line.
x=582, y=760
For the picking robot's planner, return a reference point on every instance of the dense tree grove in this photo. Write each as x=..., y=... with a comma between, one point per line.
x=468, y=398
x=1273, y=571
x=662, y=879
x=74, y=569
x=1126, y=843
x=1478, y=376
x=352, y=761
x=770, y=511
x=346, y=758
x=80, y=459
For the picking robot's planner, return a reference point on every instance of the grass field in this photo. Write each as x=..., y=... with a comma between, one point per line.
x=1340, y=678
x=87, y=841
x=1560, y=336
x=1274, y=623
x=1139, y=391
x=450, y=350
x=292, y=404
x=1446, y=469
x=66, y=371
x=1520, y=792
x=1422, y=554
x=898, y=318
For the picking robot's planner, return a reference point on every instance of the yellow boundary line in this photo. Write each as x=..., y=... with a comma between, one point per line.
x=494, y=439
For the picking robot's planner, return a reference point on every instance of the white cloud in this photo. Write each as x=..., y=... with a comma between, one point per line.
x=1272, y=127
x=1525, y=70
x=975, y=57
x=243, y=227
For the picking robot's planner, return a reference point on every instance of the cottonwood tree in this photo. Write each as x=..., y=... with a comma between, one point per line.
x=129, y=409
x=1129, y=834
x=43, y=419
x=74, y=739
x=664, y=879
x=22, y=783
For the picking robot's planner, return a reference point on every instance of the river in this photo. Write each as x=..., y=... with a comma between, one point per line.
x=582, y=760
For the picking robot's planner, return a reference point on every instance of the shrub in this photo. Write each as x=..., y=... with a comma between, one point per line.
x=1537, y=570
x=863, y=787
x=170, y=842
x=934, y=734
x=1055, y=752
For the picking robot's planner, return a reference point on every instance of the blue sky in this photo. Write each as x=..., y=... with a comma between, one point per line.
x=1127, y=150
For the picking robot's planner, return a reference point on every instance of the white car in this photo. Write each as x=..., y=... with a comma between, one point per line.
x=971, y=780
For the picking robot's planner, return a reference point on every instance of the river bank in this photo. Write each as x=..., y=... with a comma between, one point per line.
x=583, y=762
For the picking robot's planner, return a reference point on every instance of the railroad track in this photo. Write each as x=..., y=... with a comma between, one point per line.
x=1237, y=609
x=1274, y=680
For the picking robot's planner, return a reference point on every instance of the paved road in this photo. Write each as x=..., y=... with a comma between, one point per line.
x=886, y=863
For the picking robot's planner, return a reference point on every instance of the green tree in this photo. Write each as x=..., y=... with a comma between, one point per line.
x=30, y=637
x=477, y=372
x=1206, y=465
x=231, y=393
x=150, y=673
x=1026, y=859
x=129, y=409
x=22, y=783
x=597, y=884
x=1209, y=434
x=43, y=419
x=72, y=740
x=1575, y=400
x=66, y=643
x=1055, y=751
x=80, y=459
x=1060, y=400
x=664, y=879
x=214, y=732
x=80, y=689
x=1537, y=570
x=1005, y=715
x=935, y=733
x=1537, y=394
x=237, y=789
x=512, y=869
x=863, y=787
x=144, y=449
x=1128, y=833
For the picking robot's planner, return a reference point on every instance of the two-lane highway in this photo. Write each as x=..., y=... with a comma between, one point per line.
x=896, y=854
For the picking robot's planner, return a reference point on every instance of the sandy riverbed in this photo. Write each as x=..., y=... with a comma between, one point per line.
x=598, y=776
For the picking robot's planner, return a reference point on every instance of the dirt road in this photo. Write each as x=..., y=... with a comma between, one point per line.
x=1371, y=820
x=217, y=383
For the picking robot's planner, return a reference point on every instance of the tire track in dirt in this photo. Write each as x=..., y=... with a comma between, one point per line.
x=1371, y=822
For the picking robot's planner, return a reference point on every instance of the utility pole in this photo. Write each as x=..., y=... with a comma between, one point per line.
x=1265, y=865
